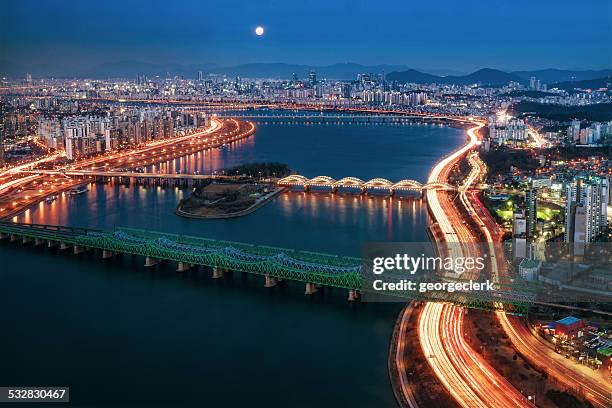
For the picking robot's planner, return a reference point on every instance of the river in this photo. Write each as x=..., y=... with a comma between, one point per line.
x=115, y=331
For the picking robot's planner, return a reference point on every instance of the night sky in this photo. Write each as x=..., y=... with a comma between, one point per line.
x=452, y=34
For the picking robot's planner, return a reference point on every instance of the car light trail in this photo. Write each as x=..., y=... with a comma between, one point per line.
x=463, y=372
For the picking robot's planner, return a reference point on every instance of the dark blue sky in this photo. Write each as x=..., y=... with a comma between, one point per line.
x=451, y=34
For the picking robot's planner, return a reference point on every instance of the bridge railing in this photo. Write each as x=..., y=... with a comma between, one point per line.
x=353, y=182
x=280, y=263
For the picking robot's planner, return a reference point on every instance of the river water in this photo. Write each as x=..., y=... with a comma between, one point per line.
x=115, y=331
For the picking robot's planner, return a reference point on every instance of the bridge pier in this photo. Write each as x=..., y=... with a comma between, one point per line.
x=26, y=240
x=51, y=244
x=311, y=288
x=14, y=237
x=183, y=267
x=352, y=295
x=79, y=249
x=106, y=254
x=38, y=241
x=270, y=282
x=151, y=261
x=63, y=246
x=217, y=272
x=3, y=235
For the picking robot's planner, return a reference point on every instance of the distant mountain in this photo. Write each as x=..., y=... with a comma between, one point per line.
x=485, y=76
x=286, y=71
x=345, y=71
x=120, y=69
x=413, y=76
x=123, y=69
x=552, y=75
x=443, y=72
x=11, y=70
x=586, y=84
x=131, y=69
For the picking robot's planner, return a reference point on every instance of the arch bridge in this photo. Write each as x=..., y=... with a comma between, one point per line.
x=354, y=184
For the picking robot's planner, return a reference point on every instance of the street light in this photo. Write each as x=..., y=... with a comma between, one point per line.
x=531, y=398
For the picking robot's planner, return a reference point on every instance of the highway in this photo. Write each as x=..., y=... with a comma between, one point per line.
x=464, y=373
x=590, y=385
x=19, y=189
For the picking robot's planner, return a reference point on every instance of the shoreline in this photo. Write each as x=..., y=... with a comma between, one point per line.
x=401, y=387
x=255, y=206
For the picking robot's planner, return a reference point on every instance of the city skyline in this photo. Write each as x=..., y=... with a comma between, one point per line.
x=70, y=35
x=394, y=204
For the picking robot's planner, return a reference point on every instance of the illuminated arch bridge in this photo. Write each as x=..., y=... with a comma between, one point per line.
x=375, y=185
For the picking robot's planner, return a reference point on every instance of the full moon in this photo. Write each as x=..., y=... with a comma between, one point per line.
x=259, y=30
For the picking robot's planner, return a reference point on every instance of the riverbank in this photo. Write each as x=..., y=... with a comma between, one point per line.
x=412, y=379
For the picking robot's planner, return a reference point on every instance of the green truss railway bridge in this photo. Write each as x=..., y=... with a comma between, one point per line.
x=274, y=264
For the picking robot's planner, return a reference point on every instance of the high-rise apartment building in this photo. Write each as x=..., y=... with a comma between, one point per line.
x=312, y=78
x=586, y=209
x=531, y=211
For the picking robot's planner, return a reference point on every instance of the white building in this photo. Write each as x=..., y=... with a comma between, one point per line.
x=513, y=131
x=50, y=132
x=81, y=134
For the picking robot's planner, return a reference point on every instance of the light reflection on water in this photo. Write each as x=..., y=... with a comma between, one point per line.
x=83, y=322
x=335, y=223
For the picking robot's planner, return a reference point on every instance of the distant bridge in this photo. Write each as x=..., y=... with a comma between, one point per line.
x=375, y=185
x=336, y=117
x=274, y=264
x=174, y=179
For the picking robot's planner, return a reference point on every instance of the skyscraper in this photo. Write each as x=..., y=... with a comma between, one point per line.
x=531, y=214
x=200, y=76
x=586, y=209
x=519, y=240
x=312, y=78
x=1, y=147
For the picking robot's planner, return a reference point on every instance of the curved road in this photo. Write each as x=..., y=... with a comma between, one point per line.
x=594, y=388
x=463, y=372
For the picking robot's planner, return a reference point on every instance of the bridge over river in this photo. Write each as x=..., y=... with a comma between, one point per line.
x=375, y=185
x=319, y=183
x=315, y=270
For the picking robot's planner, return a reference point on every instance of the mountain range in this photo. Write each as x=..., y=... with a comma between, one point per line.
x=596, y=83
x=345, y=71
x=489, y=76
x=130, y=69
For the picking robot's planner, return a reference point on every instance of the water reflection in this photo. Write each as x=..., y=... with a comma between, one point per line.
x=336, y=223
